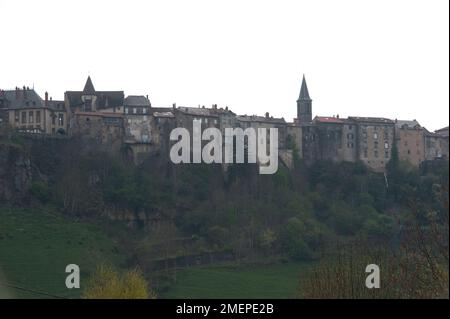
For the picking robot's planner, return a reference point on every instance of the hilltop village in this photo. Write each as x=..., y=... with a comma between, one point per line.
x=116, y=122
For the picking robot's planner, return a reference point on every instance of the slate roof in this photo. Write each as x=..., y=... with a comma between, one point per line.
x=203, y=111
x=197, y=111
x=20, y=98
x=105, y=99
x=163, y=114
x=378, y=120
x=409, y=124
x=304, y=94
x=89, y=87
x=136, y=100
x=262, y=119
x=443, y=131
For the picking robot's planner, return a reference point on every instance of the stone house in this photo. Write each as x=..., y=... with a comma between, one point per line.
x=27, y=112
x=410, y=141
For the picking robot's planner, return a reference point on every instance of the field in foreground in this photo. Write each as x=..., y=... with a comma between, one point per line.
x=35, y=248
x=258, y=281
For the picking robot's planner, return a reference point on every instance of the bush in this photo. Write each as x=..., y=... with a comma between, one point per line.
x=41, y=191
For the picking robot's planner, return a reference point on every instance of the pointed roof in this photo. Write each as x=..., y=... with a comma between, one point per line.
x=304, y=94
x=89, y=87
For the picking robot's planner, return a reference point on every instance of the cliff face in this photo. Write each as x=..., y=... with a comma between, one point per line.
x=15, y=172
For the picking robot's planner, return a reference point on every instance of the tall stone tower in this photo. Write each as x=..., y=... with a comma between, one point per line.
x=304, y=104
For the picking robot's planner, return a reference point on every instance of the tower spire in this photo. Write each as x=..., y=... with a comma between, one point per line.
x=304, y=104
x=304, y=94
x=89, y=87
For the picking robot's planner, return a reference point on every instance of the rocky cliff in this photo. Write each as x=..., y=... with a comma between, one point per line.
x=15, y=172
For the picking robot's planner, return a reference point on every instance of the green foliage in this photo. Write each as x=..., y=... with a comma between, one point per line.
x=301, y=238
x=41, y=191
x=107, y=283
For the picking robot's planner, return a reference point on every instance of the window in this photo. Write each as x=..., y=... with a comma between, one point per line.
x=30, y=117
x=60, y=119
x=38, y=116
x=88, y=105
x=134, y=110
x=144, y=110
x=126, y=110
x=375, y=144
x=375, y=136
x=386, y=145
x=16, y=116
x=53, y=119
x=386, y=154
x=350, y=127
x=376, y=153
x=365, y=152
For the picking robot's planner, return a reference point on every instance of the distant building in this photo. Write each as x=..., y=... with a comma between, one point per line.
x=437, y=144
x=410, y=141
x=375, y=137
x=96, y=115
x=26, y=111
x=134, y=125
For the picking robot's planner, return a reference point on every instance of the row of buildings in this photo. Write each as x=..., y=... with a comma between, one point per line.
x=110, y=119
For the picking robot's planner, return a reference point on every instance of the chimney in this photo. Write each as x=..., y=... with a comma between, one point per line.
x=146, y=96
x=337, y=116
x=226, y=108
x=174, y=105
x=46, y=98
x=17, y=93
x=267, y=115
x=24, y=92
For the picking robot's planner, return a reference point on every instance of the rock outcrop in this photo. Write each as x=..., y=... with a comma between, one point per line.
x=15, y=172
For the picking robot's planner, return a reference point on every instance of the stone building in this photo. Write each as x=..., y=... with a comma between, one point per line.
x=96, y=115
x=335, y=139
x=142, y=131
x=375, y=137
x=27, y=112
x=410, y=141
x=138, y=124
x=437, y=145
x=267, y=121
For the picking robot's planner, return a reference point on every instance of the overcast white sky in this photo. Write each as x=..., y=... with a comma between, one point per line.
x=364, y=58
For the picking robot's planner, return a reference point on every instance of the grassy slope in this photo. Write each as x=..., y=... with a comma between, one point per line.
x=271, y=281
x=36, y=247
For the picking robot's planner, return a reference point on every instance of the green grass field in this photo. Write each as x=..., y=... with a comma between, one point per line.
x=35, y=248
x=271, y=281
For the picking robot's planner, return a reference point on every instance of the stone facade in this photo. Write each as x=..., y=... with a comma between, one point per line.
x=26, y=111
x=410, y=141
x=375, y=137
x=436, y=146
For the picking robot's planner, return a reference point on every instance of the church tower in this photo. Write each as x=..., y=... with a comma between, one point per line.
x=304, y=105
